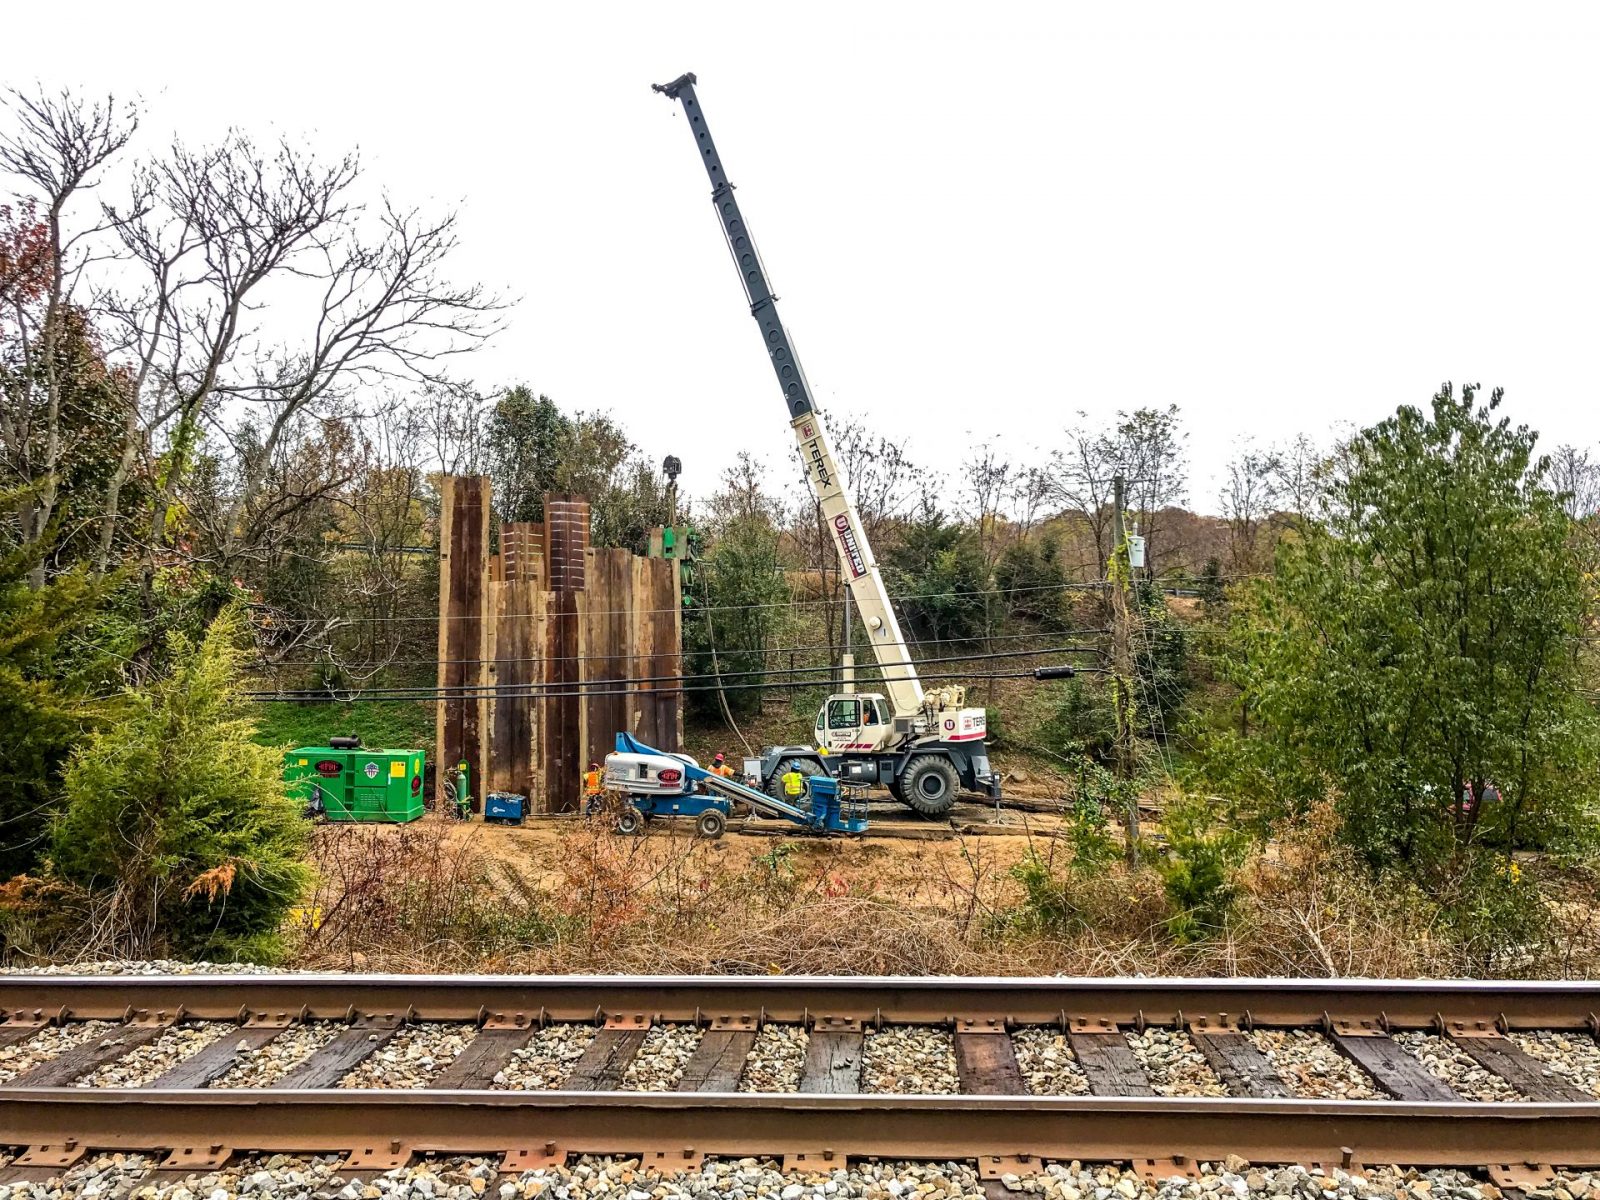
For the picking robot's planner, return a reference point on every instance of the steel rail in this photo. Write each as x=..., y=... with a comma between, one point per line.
x=1403, y=1004
x=535, y=1127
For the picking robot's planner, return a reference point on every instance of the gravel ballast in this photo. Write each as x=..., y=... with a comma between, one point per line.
x=776, y=1061
x=264, y=1065
x=1312, y=1067
x=658, y=1065
x=546, y=1061
x=144, y=1063
x=1453, y=1066
x=910, y=1060
x=1573, y=1056
x=296, y=1177
x=1174, y=1063
x=413, y=1057
x=46, y=1044
x=1047, y=1063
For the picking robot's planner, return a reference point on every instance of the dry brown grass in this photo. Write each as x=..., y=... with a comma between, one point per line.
x=421, y=900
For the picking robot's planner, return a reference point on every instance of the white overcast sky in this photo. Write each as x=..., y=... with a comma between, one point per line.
x=980, y=217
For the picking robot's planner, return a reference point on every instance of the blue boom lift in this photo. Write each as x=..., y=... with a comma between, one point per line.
x=657, y=784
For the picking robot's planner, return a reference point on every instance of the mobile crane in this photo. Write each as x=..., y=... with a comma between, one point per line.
x=923, y=746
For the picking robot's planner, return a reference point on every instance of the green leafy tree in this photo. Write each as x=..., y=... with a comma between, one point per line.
x=938, y=572
x=1030, y=578
x=527, y=437
x=534, y=448
x=739, y=604
x=1161, y=664
x=1418, y=645
x=43, y=704
x=178, y=817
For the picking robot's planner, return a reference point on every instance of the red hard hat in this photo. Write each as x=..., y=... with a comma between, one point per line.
x=594, y=766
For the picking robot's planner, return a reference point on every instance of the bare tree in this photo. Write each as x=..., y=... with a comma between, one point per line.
x=1575, y=476
x=58, y=149
x=883, y=480
x=1147, y=448
x=359, y=301
x=453, y=420
x=1249, y=496
x=1297, y=478
x=1082, y=474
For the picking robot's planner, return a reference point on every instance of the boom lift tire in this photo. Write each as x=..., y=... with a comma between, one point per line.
x=929, y=784
x=631, y=821
x=711, y=824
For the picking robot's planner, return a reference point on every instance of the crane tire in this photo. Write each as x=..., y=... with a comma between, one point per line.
x=630, y=821
x=711, y=823
x=929, y=785
x=775, y=782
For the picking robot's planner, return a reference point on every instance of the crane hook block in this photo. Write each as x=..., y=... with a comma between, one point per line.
x=670, y=90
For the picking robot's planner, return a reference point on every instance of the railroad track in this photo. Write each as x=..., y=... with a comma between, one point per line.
x=1161, y=1073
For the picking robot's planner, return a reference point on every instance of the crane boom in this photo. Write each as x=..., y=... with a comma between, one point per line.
x=860, y=569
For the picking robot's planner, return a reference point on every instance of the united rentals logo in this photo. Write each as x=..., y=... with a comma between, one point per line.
x=850, y=547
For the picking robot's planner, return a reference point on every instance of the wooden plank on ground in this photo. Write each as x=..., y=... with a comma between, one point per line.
x=1109, y=1065
x=1521, y=1070
x=987, y=1065
x=75, y=1061
x=605, y=1061
x=1243, y=1069
x=1393, y=1068
x=718, y=1061
x=217, y=1059
x=332, y=1062
x=484, y=1057
x=833, y=1062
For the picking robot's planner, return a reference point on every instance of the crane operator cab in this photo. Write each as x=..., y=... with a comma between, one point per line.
x=858, y=721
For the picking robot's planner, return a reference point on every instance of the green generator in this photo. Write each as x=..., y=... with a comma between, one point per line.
x=344, y=782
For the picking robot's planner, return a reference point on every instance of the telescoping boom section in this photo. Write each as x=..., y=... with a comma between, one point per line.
x=827, y=484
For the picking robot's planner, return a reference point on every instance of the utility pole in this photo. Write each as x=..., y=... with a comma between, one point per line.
x=1118, y=574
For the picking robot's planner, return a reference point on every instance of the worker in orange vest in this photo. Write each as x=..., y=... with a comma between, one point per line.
x=592, y=790
x=720, y=766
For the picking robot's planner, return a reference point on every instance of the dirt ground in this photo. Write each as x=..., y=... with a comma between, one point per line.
x=911, y=860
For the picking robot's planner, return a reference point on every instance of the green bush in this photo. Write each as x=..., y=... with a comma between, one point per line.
x=1083, y=723
x=43, y=708
x=181, y=819
x=1087, y=819
x=1494, y=912
x=1198, y=872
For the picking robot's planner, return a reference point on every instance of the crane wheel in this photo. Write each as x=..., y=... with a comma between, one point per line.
x=929, y=784
x=711, y=824
x=630, y=821
x=775, y=783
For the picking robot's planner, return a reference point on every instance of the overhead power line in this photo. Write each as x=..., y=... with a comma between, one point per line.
x=496, y=689
x=907, y=644
x=516, y=693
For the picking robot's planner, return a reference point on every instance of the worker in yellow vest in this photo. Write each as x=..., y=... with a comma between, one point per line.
x=592, y=790
x=794, y=784
x=720, y=766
